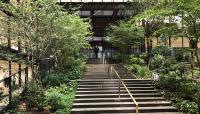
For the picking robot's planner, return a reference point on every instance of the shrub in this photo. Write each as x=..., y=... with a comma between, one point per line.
x=162, y=50
x=134, y=68
x=139, y=71
x=34, y=96
x=62, y=111
x=187, y=106
x=61, y=98
x=136, y=60
x=158, y=61
x=144, y=57
x=58, y=77
x=55, y=79
x=74, y=73
x=168, y=82
x=55, y=99
x=182, y=54
x=71, y=62
x=188, y=89
x=144, y=72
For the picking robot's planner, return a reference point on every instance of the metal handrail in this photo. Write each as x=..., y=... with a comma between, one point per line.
x=13, y=74
x=120, y=81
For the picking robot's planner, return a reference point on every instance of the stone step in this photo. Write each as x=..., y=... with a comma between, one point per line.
x=97, y=93
x=114, y=82
x=116, y=85
x=122, y=99
x=105, y=80
x=146, y=113
x=116, y=88
x=122, y=109
x=103, y=77
x=96, y=74
x=114, y=91
x=96, y=77
x=120, y=104
x=116, y=95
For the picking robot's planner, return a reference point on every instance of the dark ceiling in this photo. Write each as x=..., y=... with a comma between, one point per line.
x=102, y=14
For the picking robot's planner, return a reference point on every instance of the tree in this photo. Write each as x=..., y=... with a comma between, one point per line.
x=124, y=35
x=191, y=15
x=45, y=30
x=166, y=33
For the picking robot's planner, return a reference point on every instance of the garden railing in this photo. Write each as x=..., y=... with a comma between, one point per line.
x=15, y=81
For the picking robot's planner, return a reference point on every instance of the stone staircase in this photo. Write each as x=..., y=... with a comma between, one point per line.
x=97, y=93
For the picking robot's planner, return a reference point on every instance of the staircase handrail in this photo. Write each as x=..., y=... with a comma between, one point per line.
x=120, y=81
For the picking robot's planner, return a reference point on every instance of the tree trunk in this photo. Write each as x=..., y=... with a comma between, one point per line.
x=148, y=50
x=193, y=45
x=192, y=63
x=157, y=40
x=197, y=56
x=170, y=42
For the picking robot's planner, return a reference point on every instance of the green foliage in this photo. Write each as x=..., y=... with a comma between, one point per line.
x=188, y=89
x=136, y=65
x=187, y=106
x=125, y=34
x=183, y=89
x=136, y=60
x=143, y=56
x=134, y=68
x=45, y=29
x=60, y=99
x=55, y=99
x=72, y=70
x=139, y=71
x=182, y=54
x=166, y=32
x=158, y=62
x=168, y=82
x=162, y=50
x=34, y=96
x=144, y=72
x=55, y=78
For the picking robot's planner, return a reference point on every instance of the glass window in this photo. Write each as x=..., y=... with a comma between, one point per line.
x=107, y=0
x=85, y=13
x=76, y=0
x=65, y=0
x=97, y=0
x=118, y=0
x=86, y=0
x=103, y=12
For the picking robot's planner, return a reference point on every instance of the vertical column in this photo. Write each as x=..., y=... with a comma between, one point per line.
x=20, y=74
x=9, y=62
x=182, y=31
x=9, y=82
x=19, y=65
x=26, y=75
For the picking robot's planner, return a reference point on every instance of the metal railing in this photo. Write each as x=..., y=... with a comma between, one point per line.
x=119, y=89
x=15, y=80
x=119, y=83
